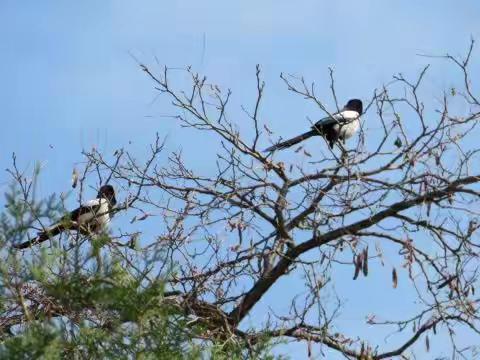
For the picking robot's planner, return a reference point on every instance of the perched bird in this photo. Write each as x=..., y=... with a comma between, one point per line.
x=340, y=126
x=91, y=217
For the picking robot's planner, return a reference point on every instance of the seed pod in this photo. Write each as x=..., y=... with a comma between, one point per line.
x=74, y=178
x=143, y=217
x=358, y=261
x=398, y=142
x=394, y=278
x=365, y=262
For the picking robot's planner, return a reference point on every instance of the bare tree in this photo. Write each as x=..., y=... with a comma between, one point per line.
x=401, y=199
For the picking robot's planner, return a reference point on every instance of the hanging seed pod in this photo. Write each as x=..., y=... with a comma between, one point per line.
x=394, y=278
x=143, y=217
x=358, y=261
x=74, y=178
x=365, y=262
x=427, y=343
x=398, y=142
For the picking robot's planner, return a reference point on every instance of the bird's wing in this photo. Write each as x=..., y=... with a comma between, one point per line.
x=85, y=212
x=341, y=117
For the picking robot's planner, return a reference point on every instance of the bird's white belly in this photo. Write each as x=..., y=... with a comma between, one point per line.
x=348, y=130
x=96, y=221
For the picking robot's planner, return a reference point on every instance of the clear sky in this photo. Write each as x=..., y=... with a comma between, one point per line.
x=68, y=80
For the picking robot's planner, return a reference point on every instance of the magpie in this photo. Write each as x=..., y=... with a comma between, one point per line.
x=91, y=217
x=340, y=126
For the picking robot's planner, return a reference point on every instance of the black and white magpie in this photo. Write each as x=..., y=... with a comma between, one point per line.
x=91, y=217
x=340, y=126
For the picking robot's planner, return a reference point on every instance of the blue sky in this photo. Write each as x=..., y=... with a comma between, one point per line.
x=69, y=82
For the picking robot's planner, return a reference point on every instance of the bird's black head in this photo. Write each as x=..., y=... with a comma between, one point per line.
x=107, y=192
x=355, y=105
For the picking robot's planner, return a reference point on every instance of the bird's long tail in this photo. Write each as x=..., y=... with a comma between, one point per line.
x=287, y=143
x=42, y=236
